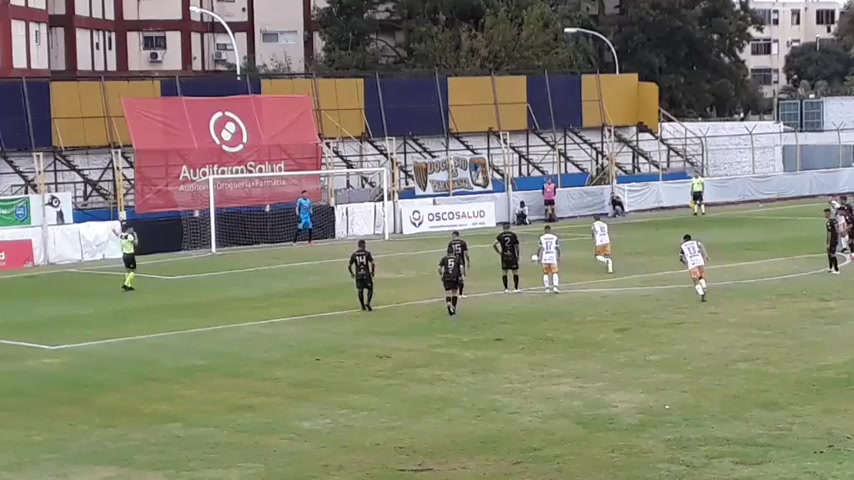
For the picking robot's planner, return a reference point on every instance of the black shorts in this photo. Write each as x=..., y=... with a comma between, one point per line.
x=130, y=261
x=363, y=283
x=509, y=263
x=450, y=285
x=549, y=203
x=697, y=197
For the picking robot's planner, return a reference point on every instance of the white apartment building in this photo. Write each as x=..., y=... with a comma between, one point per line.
x=787, y=24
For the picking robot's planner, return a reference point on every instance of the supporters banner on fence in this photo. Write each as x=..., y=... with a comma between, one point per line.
x=456, y=173
x=437, y=218
x=181, y=141
x=16, y=254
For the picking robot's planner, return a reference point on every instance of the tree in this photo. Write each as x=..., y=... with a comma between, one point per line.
x=826, y=61
x=844, y=32
x=691, y=49
x=348, y=29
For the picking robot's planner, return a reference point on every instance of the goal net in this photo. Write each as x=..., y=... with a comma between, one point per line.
x=261, y=208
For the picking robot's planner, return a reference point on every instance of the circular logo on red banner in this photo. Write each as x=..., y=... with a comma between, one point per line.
x=229, y=131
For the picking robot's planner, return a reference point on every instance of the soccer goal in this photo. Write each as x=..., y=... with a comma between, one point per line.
x=256, y=209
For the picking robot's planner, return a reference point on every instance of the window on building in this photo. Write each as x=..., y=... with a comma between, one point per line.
x=814, y=114
x=775, y=47
x=825, y=17
x=760, y=46
x=789, y=113
x=796, y=16
x=762, y=76
x=288, y=37
x=764, y=15
x=154, y=41
x=795, y=42
x=224, y=47
x=775, y=76
x=775, y=17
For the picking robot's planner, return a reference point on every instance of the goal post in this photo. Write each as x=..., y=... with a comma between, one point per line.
x=253, y=209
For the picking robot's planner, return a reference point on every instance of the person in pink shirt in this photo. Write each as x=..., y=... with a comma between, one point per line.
x=549, y=193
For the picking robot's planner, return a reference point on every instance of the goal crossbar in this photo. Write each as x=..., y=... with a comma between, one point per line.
x=212, y=179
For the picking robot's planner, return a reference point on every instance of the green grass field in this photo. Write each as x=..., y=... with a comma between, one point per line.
x=623, y=376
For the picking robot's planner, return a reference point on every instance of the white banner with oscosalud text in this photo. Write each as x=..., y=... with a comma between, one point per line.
x=438, y=218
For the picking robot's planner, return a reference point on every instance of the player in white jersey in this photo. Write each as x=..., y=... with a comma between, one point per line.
x=549, y=255
x=842, y=228
x=693, y=255
x=603, y=243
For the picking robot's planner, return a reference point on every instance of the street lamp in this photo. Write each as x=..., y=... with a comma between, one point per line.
x=574, y=30
x=202, y=11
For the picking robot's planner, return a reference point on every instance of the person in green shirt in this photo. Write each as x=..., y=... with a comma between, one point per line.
x=698, y=185
x=129, y=243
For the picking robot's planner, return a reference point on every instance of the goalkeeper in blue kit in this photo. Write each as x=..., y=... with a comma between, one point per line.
x=305, y=213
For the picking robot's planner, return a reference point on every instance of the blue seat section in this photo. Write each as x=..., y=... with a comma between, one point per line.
x=565, y=93
x=412, y=106
x=209, y=87
x=15, y=122
x=652, y=177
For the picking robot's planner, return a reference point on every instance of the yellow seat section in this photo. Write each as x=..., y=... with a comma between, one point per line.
x=648, y=105
x=479, y=104
x=116, y=91
x=78, y=114
x=339, y=103
x=609, y=100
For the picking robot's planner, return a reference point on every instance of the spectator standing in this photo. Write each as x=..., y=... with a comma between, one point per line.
x=549, y=194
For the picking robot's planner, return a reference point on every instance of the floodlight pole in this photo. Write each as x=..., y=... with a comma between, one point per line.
x=573, y=30
x=202, y=11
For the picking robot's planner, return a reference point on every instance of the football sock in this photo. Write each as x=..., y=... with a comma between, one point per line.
x=703, y=209
x=702, y=283
x=834, y=263
x=516, y=281
x=830, y=258
x=504, y=280
x=699, y=289
x=602, y=259
x=127, y=276
x=694, y=207
x=362, y=298
x=370, y=295
x=546, y=281
x=310, y=234
x=555, y=280
x=131, y=278
x=448, y=300
x=454, y=302
x=296, y=236
x=462, y=286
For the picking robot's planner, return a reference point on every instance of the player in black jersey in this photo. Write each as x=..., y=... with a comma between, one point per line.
x=364, y=274
x=848, y=212
x=832, y=242
x=460, y=248
x=451, y=272
x=507, y=245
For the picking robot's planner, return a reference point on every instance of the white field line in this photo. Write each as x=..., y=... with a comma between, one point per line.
x=532, y=229
x=476, y=295
x=27, y=344
x=142, y=275
x=321, y=262
x=771, y=217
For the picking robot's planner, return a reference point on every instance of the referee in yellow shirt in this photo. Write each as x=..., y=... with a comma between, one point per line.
x=698, y=185
x=129, y=242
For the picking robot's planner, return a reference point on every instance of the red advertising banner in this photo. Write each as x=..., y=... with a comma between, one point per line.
x=16, y=254
x=181, y=141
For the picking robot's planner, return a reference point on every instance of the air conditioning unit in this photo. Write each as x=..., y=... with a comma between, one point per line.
x=220, y=56
x=156, y=56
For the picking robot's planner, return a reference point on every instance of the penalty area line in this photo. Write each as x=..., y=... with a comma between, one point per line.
x=475, y=295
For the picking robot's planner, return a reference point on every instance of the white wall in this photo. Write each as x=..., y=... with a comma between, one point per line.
x=20, y=3
x=109, y=10
x=57, y=48
x=111, y=51
x=211, y=40
x=81, y=7
x=99, y=45
x=97, y=9
x=196, y=39
x=281, y=21
x=39, y=56
x=84, y=49
x=40, y=4
x=138, y=58
x=56, y=7
x=19, y=44
x=152, y=9
x=238, y=10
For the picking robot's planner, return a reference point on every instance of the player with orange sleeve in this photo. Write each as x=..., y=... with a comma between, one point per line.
x=693, y=255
